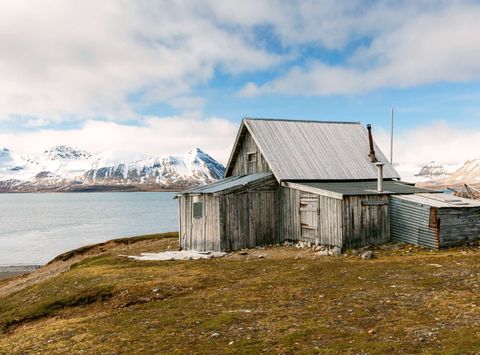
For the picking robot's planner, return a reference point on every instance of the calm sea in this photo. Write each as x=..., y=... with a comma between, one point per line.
x=34, y=228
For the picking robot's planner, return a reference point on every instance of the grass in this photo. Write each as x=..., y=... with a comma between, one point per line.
x=120, y=241
x=404, y=301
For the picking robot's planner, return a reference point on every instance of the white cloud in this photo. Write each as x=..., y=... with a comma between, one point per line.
x=157, y=137
x=418, y=47
x=69, y=60
x=63, y=58
x=440, y=141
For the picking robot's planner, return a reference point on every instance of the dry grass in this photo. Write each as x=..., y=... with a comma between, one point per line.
x=287, y=301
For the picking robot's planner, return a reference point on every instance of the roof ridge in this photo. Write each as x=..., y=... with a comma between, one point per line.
x=298, y=120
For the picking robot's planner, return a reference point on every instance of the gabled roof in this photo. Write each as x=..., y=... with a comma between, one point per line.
x=312, y=150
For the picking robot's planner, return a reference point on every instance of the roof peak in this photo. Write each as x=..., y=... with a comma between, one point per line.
x=296, y=120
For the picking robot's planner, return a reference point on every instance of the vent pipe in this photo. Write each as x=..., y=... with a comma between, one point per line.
x=380, y=176
x=372, y=156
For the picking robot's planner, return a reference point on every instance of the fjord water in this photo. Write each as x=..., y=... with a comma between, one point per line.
x=35, y=227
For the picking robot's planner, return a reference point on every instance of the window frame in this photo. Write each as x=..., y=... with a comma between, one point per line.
x=254, y=155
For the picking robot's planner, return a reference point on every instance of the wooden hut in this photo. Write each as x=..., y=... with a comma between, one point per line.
x=294, y=180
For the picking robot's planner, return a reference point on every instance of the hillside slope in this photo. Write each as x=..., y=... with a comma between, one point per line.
x=274, y=300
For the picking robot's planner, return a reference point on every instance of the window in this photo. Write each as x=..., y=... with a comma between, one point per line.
x=252, y=157
x=198, y=210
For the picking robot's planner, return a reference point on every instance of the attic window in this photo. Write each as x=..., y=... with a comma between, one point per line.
x=198, y=210
x=252, y=157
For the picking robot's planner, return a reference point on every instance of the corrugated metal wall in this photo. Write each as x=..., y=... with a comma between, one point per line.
x=409, y=223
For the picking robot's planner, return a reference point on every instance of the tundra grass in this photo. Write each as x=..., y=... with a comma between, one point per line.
x=285, y=301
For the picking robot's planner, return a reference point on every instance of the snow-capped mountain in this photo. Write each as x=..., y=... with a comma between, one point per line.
x=435, y=171
x=431, y=172
x=469, y=173
x=67, y=168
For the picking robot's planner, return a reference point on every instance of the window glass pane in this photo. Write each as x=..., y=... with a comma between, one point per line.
x=197, y=210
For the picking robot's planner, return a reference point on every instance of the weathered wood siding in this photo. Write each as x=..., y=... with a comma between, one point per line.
x=309, y=214
x=200, y=233
x=365, y=220
x=242, y=166
x=309, y=217
x=289, y=214
x=458, y=225
x=330, y=221
x=250, y=218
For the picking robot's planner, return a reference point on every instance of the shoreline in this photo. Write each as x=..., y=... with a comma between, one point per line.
x=16, y=270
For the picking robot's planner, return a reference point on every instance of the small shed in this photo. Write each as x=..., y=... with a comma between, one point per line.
x=434, y=220
x=235, y=213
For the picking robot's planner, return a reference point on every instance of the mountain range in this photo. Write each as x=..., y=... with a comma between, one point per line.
x=65, y=168
x=453, y=175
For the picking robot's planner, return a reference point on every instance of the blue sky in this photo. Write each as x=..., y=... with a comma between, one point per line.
x=163, y=77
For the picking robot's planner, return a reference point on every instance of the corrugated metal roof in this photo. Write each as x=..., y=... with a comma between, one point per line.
x=440, y=200
x=316, y=150
x=227, y=183
x=355, y=188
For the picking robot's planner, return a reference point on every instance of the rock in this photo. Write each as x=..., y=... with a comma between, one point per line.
x=335, y=251
x=355, y=252
x=301, y=245
x=367, y=255
x=317, y=248
x=323, y=253
x=242, y=252
x=371, y=331
x=214, y=335
x=155, y=290
x=261, y=256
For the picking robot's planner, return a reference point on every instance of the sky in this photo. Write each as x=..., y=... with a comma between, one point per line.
x=163, y=77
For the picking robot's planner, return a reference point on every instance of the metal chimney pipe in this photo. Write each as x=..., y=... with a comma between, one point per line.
x=379, y=176
x=372, y=156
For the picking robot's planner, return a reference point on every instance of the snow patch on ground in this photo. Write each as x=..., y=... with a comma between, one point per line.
x=178, y=255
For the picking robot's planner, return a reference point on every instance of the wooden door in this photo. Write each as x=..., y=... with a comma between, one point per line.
x=309, y=217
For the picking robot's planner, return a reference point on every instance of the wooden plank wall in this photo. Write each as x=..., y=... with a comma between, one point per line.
x=249, y=218
x=200, y=233
x=329, y=224
x=309, y=217
x=289, y=214
x=365, y=224
x=458, y=225
x=183, y=221
x=242, y=166
x=330, y=221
